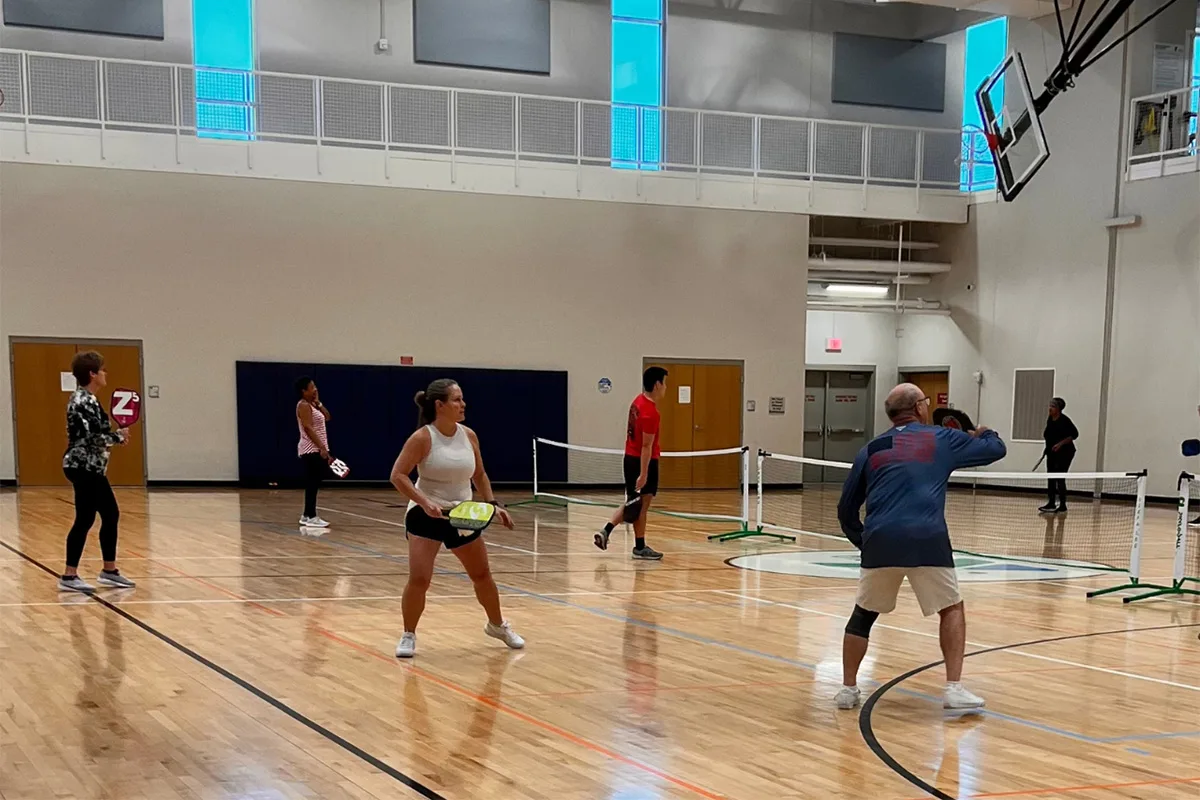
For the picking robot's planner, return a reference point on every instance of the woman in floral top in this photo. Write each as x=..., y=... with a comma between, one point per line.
x=89, y=436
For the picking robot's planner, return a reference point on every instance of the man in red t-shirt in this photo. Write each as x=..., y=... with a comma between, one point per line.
x=642, y=451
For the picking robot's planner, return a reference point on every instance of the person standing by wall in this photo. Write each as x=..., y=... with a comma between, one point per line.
x=89, y=437
x=1060, y=435
x=313, y=447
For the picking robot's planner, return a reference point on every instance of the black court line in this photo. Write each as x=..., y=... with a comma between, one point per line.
x=349, y=747
x=864, y=718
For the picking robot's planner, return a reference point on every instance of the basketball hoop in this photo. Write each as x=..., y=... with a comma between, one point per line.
x=1012, y=119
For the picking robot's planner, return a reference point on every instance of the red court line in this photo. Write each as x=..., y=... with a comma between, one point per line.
x=1095, y=787
x=546, y=726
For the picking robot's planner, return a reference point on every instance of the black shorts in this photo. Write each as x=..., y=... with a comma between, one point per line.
x=633, y=469
x=418, y=523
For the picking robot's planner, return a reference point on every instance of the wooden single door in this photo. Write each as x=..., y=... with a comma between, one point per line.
x=41, y=388
x=701, y=411
x=40, y=395
x=935, y=385
x=717, y=425
x=676, y=427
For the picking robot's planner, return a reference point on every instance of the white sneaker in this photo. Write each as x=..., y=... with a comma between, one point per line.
x=848, y=697
x=74, y=584
x=313, y=522
x=504, y=633
x=407, y=646
x=959, y=698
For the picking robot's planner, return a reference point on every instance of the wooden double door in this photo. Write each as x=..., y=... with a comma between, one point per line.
x=702, y=411
x=42, y=385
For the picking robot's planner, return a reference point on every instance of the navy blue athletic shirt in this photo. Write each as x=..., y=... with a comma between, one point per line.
x=901, y=475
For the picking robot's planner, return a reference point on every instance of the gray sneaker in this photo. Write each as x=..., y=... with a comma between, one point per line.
x=114, y=580
x=74, y=583
x=647, y=553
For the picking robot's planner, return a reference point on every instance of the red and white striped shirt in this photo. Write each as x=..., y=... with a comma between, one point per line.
x=307, y=445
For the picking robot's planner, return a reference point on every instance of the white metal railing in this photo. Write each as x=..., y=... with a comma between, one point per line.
x=182, y=100
x=1162, y=127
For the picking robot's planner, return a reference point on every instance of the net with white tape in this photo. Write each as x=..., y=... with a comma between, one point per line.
x=991, y=514
x=704, y=485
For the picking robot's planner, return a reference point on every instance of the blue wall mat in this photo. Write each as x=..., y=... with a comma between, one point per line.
x=373, y=414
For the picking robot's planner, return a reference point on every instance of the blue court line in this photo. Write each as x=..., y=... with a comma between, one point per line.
x=704, y=640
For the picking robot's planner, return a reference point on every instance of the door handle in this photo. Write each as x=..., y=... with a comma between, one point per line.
x=817, y=431
x=846, y=430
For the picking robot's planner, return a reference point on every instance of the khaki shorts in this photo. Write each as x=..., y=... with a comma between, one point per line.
x=936, y=588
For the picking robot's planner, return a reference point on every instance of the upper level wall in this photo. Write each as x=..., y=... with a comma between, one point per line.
x=738, y=63
x=768, y=56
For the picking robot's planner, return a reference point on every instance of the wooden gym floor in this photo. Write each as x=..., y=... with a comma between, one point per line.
x=256, y=662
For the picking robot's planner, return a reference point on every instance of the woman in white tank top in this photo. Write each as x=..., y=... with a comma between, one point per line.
x=446, y=456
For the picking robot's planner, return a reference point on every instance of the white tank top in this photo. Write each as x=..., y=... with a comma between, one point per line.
x=444, y=476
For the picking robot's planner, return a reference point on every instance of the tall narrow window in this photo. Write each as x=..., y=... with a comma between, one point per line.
x=637, y=78
x=986, y=46
x=1194, y=103
x=223, y=54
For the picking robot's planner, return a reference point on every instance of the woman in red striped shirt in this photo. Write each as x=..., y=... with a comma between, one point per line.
x=313, y=448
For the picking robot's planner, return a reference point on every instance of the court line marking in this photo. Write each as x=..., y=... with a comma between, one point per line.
x=401, y=525
x=928, y=635
x=520, y=715
x=872, y=741
x=703, y=640
x=1091, y=788
x=549, y=727
x=272, y=611
x=271, y=700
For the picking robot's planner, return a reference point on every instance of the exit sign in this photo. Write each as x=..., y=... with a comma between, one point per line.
x=833, y=345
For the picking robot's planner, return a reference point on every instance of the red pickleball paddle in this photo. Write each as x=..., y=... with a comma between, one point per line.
x=125, y=407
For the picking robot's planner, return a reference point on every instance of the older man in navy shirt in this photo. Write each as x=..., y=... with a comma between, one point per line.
x=901, y=475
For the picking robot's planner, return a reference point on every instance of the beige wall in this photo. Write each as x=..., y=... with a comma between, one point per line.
x=208, y=270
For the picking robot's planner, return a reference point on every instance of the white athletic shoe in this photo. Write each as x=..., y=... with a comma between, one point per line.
x=848, y=697
x=959, y=698
x=313, y=522
x=74, y=584
x=504, y=633
x=407, y=646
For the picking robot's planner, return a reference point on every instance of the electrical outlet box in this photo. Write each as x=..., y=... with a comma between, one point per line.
x=382, y=45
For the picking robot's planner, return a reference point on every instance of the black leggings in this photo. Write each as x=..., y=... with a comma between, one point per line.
x=1057, y=487
x=316, y=470
x=92, y=494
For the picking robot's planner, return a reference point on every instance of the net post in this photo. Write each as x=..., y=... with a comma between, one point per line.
x=535, y=470
x=758, y=503
x=1177, y=578
x=1139, y=519
x=1135, y=549
x=745, y=488
x=1185, y=486
x=747, y=532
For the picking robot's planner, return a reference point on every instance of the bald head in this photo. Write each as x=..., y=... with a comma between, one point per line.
x=904, y=404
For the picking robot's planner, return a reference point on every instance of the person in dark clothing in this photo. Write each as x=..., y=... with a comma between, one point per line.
x=901, y=475
x=1060, y=436
x=89, y=436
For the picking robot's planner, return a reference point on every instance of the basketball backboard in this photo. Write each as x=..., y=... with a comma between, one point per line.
x=1012, y=125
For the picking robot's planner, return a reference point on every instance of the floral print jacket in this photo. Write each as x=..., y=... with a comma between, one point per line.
x=89, y=434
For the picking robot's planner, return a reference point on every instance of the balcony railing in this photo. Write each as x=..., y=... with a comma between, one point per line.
x=1162, y=134
x=181, y=100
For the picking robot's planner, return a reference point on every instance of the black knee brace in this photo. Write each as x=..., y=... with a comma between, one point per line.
x=861, y=621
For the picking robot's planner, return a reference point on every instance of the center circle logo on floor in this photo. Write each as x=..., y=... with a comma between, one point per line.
x=971, y=569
